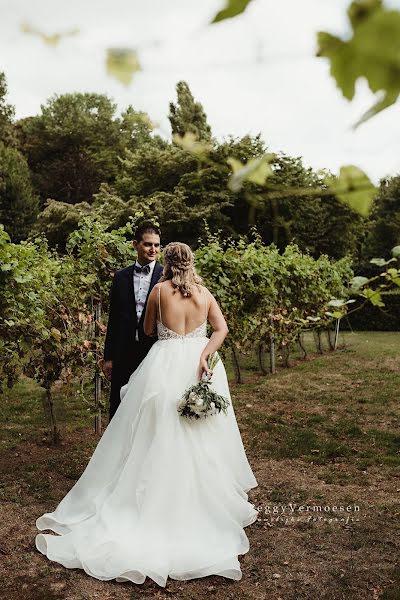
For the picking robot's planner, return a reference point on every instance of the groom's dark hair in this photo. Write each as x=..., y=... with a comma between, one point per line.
x=146, y=227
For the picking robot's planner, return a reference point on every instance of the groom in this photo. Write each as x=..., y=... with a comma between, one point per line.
x=126, y=344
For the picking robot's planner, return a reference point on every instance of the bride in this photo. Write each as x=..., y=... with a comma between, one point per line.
x=162, y=495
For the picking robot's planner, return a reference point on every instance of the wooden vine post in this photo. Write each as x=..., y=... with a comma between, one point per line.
x=336, y=333
x=272, y=348
x=97, y=376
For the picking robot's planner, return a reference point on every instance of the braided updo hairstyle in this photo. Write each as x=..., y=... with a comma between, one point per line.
x=179, y=267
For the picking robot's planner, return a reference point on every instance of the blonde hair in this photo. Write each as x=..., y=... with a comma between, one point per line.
x=179, y=267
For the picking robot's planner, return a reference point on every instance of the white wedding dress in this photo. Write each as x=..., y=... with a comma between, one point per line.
x=162, y=495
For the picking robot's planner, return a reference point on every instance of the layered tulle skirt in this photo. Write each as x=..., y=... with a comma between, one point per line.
x=162, y=496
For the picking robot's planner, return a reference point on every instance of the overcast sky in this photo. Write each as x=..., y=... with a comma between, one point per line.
x=256, y=73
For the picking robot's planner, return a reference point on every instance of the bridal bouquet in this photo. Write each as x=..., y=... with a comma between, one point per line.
x=200, y=400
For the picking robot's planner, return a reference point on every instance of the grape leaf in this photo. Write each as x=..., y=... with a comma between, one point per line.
x=232, y=9
x=51, y=39
x=354, y=188
x=374, y=297
x=190, y=143
x=336, y=302
x=386, y=101
x=380, y=262
x=122, y=63
x=357, y=282
x=372, y=52
x=255, y=170
x=56, y=333
x=396, y=251
x=336, y=314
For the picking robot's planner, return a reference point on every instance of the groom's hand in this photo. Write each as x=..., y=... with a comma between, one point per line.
x=107, y=368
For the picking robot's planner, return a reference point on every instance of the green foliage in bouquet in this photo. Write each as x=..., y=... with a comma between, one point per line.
x=200, y=400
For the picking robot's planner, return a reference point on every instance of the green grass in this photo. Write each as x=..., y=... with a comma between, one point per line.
x=337, y=406
x=23, y=412
x=324, y=431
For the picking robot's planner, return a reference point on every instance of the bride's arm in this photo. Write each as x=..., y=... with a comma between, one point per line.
x=150, y=317
x=218, y=323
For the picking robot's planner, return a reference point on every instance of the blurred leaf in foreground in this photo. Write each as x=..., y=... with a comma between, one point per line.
x=122, y=63
x=232, y=9
x=372, y=52
x=354, y=188
x=256, y=170
x=49, y=39
x=190, y=143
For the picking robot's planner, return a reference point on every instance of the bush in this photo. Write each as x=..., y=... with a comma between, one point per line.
x=373, y=318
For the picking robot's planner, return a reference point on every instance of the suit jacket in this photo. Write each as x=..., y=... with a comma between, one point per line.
x=121, y=345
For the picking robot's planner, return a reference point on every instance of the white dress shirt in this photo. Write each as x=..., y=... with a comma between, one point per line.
x=141, y=285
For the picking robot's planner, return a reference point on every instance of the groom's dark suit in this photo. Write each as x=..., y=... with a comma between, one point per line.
x=121, y=345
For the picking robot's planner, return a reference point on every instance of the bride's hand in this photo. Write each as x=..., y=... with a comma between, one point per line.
x=203, y=367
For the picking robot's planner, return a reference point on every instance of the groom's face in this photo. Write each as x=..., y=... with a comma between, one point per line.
x=148, y=248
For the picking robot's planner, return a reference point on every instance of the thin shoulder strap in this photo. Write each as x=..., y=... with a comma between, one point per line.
x=205, y=302
x=159, y=302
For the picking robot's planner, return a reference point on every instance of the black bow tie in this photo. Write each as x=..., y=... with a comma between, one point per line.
x=145, y=269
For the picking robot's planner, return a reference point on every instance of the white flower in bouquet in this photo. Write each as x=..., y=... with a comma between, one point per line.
x=197, y=410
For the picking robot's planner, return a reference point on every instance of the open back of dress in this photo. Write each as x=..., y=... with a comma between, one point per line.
x=164, y=332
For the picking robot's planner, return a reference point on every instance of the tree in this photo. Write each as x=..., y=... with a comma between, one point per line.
x=58, y=220
x=74, y=145
x=325, y=226
x=136, y=130
x=71, y=146
x=385, y=220
x=187, y=115
x=19, y=204
x=152, y=169
x=318, y=225
x=7, y=112
x=241, y=215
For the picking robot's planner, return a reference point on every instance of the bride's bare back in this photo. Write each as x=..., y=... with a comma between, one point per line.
x=181, y=314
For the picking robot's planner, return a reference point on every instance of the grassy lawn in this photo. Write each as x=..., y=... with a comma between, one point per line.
x=321, y=434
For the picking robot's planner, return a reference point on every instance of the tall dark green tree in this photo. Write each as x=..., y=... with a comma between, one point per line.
x=18, y=202
x=317, y=224
x=7, y=112
x=75, y=143
x=385, y=220
x=151, y=169
x=187, y=115
x=241, y=215
x=72, y=146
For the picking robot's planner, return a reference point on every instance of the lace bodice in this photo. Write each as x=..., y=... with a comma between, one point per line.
x=164, y=333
